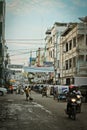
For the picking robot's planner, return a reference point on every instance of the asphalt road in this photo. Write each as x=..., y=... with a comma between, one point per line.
x=40, y=114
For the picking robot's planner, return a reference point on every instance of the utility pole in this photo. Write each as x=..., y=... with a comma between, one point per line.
x=30, y=59
x=55, y=56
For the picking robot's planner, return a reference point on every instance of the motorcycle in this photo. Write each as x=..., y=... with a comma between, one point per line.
x=71, y=111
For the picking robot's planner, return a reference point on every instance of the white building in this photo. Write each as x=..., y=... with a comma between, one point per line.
x=53, y=47
x=73, y=47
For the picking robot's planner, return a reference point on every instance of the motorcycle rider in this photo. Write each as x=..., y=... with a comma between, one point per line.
x=77, y=91
x=70, y=95
x=79, y=98
x=73, y=92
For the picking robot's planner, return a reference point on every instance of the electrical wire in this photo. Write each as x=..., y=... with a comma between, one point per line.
x=22, y=53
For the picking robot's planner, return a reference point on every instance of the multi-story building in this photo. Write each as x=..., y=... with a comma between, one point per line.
x=53, y=47
x=49, y=48
x=73, y=53
x=2, y=38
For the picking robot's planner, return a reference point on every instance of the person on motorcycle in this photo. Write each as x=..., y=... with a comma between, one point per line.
x=70, y=95
x=78, y=97
x=76, y=90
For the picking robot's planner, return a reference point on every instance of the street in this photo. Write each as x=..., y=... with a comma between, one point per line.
x=43, y=113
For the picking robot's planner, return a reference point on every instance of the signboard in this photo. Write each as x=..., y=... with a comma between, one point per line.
x=38, y=69
x=46, y=63
x=32, y=61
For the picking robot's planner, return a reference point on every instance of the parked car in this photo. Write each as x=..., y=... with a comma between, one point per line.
x=3, y=91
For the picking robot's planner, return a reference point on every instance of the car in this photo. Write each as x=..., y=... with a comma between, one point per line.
x=3, y=91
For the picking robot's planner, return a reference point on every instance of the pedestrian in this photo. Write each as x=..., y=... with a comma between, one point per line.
x=55, y=93
x=30, y=98
x=27, y=93
x=44, y=91
x=11, y=89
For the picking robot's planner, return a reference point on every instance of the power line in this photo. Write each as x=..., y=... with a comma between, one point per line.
x=27, y=52
x=22, y=53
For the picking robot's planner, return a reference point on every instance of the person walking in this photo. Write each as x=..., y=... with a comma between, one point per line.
x=27, y=93
x=44, y=91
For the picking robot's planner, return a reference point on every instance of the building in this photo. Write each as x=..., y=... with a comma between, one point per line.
x=53, y=47
x=73, y=53
x=2, y=39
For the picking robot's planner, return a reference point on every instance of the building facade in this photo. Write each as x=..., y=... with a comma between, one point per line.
x=53, y=47
x=2, y=39
x=73, y=56
x=4, y=56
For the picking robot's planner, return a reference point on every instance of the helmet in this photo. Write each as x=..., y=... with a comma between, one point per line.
x=72, y=87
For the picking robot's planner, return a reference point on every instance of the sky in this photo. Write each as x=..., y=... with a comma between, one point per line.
x=27, y=21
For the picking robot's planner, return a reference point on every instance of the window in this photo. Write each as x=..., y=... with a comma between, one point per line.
x=86, y=58
x=0, y=49
x=70, y=63
x=66, y=65
x=58, y=63
x=1, y=7
x=70, y=45
x=74, y=61
x=51, y=54
x=66, y=47
x=86, y=40
x=74, y=42
x=67, y=81
x=0, y=28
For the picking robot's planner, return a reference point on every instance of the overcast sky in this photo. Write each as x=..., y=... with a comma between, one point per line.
x=29, y=19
